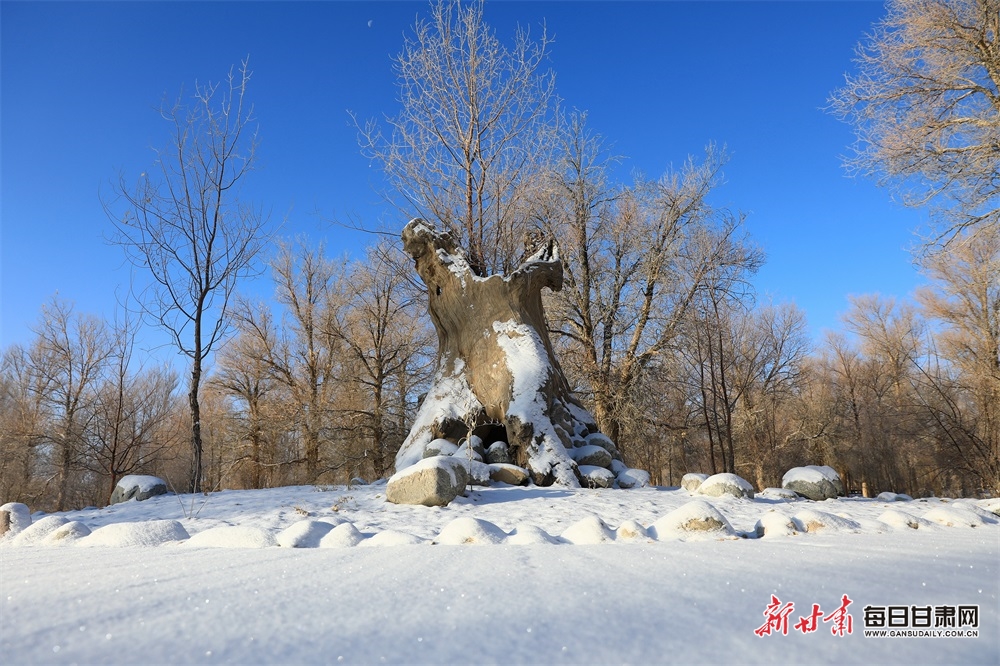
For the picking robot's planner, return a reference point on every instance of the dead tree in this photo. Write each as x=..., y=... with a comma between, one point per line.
x=497, y=375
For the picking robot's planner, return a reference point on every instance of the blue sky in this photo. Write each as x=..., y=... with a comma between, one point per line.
x=81, y=81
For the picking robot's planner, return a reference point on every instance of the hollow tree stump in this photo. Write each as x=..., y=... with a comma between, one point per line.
x=497, y=374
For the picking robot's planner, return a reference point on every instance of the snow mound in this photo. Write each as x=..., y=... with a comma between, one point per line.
x=893, y=497
x=694, y=519
x=38, y=530
x=589, y=530
x=392, y=538
x=692, y=480
x=630, y=530
x=774, y=524
x=345, y=535
x=234, y=536
x=718, y=485
x=992, y=505
x=470, y=531
x=809, y=520
x=633, y=478
x=143, y=533
x=954, y=516
x=18, y=518
x=780, y=494
x=902, y=520
x=67, y=533
x=303, y=534
x=528, y=535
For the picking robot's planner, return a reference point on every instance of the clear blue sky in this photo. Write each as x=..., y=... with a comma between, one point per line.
x=80, y=83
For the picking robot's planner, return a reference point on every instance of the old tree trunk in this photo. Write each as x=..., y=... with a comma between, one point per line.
x=497, y=377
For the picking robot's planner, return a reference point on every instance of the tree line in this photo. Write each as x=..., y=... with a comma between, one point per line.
x=658, y=325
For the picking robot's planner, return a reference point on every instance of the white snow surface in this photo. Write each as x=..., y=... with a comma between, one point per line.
x=535, y=575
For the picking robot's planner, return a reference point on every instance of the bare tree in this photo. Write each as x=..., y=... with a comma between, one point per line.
x=385, y=339
x=925, y=105
x=187, y=225
x=471, y=131
x=131, y=407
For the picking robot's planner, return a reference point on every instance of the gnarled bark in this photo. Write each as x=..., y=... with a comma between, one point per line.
x=497, y=373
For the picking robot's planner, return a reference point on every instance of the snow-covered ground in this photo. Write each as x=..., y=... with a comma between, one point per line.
x=540, y=575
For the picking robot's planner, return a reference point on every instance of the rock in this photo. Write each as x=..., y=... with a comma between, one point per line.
x=14, y=518
x=603, y=441
x=498, y=454
x=440, y=447
x=781, y=494
x=893, y=497
x=592, y=476
x=718, y=485
x=773, y=524
x=139, y=487
x=38, y=530
x=816, y=482
x=511, y=474
x=633, y=478
x=630, y=530
x=694, y=518
x=466, y=452
x=592, y=455
x=808, y=520
x=691, y=481
x=67, y=533
x=479, y=472
x=432, y=482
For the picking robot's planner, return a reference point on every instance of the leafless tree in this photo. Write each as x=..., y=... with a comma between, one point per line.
x=385, y=339
x=925, y=105
x=132, y=404
x=185, y=223
x=471, y=132
x=69, y=356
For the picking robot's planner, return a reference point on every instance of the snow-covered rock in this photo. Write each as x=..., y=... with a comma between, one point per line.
x=692, y=480
x=592, y=455
x=808, y=520
x=816, y=482
x=67, y=533
x=498, y=454
x=694, y=518
x=143, y=533
x=589, y=530
x=392, y=538
x=632, y=478
x=440, y=447
x=344, y=535
x=38, y=530
x=474, y=451
x=139, y=487
x=470, y=531
x=774, y=523
x=432, y=482
x=527, y=534
x=303, y=534
x=954, y=516
x=592, y=476
x=630, y=530
x=233, y=536
x=781, y=494
x=14, y=518
x=903, y=520
x=893, y=497
x=603, y=441
x=509, y=474
x=718, y=485
x=477, y=471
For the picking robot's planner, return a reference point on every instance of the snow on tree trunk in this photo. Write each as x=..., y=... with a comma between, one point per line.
x=497, y=375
